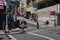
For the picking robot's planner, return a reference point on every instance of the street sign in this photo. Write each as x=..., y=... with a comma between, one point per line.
x=52, y=17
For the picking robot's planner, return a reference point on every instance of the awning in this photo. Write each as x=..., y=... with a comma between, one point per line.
x=2, y=4
x=1, y=7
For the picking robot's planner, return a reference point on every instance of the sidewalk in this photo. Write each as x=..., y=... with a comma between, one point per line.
x=30, y=21
x=1, y=32
x=27, y=20
x=41, y=23
x=13, y=31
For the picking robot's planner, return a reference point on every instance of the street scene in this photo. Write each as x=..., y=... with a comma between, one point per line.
x=29, y=20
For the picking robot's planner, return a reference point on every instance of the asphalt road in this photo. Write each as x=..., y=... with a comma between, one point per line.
x=28, y=37
x=32, y=33
x=4, y=37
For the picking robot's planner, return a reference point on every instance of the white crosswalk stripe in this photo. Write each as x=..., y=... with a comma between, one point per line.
x=13, y=38
x=40, y=36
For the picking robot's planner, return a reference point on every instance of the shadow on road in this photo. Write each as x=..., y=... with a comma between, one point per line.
x=1, y=38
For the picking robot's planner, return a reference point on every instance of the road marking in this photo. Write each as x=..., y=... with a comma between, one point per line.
x=40, y=36
x=13, y=38
x=29, y=28
x=37, y=30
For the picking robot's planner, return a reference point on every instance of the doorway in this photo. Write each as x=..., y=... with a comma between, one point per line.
x=58, y=19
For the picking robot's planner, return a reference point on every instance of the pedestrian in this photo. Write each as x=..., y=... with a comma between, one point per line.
x=23, y=25
x=36, y=20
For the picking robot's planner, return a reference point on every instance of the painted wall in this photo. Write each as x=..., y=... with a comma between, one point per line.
x=44, y=14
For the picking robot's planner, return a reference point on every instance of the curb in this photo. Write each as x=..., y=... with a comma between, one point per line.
x=13, y=33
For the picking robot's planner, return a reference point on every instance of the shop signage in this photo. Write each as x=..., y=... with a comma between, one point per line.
x=52, y=12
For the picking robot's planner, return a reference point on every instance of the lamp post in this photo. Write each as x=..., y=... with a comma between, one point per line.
x=6, y=28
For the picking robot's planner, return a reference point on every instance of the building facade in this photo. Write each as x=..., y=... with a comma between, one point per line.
x=44, y=10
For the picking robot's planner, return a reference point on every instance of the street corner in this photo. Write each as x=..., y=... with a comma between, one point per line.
x=46, y=33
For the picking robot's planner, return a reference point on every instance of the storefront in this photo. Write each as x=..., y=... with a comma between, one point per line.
x=2, y=16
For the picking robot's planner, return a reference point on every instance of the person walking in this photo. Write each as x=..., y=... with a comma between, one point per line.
x=36, y=20
x=23, y=25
